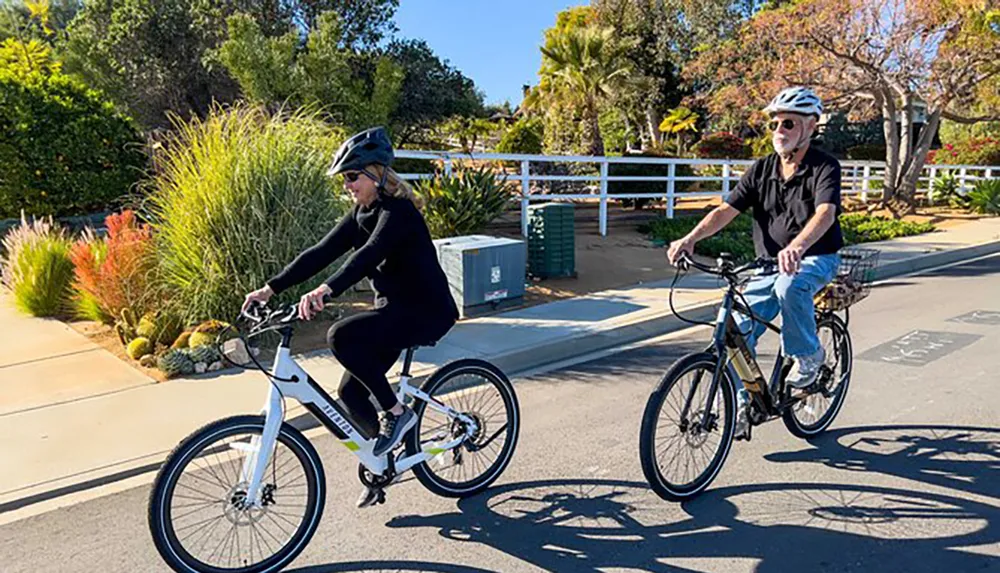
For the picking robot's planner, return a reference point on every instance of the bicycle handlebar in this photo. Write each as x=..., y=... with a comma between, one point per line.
x=724, y=267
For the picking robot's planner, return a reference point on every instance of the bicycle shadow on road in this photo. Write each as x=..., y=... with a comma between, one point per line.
x=964, y=458
x=594, y=525
x=389, y=567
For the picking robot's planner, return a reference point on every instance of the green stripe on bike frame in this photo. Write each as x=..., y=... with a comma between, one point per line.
x=435, y=451
x=351, y=446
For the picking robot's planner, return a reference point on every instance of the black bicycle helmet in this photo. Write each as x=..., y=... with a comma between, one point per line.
x=371, y=146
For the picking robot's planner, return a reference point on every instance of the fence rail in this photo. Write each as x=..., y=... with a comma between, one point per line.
x=861, y=178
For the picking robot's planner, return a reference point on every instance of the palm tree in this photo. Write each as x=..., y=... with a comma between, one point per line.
x=582, y=67
x=679, y=120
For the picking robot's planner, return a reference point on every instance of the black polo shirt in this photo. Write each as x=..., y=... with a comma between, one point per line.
x=782, y=208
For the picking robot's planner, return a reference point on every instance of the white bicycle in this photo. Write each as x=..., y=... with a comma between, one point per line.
x=246, y=493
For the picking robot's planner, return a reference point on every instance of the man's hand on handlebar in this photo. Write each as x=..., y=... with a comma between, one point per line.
x=681, y=246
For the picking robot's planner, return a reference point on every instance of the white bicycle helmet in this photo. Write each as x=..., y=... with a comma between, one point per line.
x=798, y=100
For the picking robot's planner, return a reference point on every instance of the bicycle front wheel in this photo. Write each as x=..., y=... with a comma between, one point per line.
x=198, y=517
x=681, y=455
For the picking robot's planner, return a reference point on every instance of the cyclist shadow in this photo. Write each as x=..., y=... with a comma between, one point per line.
x=594, y=525
x=964, y=458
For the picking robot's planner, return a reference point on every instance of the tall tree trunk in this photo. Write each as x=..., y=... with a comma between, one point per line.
x=915, y=162
x=596, y=141
x=653, y=119
x=889, y=182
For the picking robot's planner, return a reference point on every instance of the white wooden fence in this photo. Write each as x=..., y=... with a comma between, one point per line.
x=862, y=178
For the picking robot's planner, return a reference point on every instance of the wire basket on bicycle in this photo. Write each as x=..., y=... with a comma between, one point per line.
x=853, y=281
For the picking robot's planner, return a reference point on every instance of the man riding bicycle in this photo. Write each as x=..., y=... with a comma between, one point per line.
x=794, y=197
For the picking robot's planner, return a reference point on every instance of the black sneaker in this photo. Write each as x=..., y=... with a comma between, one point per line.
x=393, y=429
x=368, y=497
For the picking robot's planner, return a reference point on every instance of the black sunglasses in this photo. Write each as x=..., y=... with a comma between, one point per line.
x=788, y=124
x=352, y=176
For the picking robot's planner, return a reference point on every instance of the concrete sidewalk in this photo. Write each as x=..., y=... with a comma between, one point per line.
x=74, y=417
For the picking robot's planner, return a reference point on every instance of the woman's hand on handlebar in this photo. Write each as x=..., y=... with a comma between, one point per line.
x=261, y=295
x=312, y=302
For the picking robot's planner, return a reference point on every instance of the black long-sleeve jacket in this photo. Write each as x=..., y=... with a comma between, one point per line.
x=392, y=247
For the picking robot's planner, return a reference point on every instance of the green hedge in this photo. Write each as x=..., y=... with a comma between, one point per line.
x=737, y=237
x=63, y=150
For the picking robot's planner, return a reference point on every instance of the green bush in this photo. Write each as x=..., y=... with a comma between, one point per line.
x=36, y=268
x=867, y=152
x=525, y=136
x=646, y=170
x=238, y=196
x=985, y=197
x=465, y=202
x=64, y=150
x=972, y=151
x=864, y=228
x=723, y=145
x=760, y=146
x=737, y=237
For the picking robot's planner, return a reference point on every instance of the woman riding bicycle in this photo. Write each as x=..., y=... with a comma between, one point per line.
x=393, y=248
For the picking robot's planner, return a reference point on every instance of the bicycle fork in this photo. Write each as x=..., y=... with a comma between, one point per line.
x=262, y=447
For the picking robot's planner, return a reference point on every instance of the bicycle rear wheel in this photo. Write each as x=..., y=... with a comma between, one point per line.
x=481, y=391
x=814, y=413
x=679, y=457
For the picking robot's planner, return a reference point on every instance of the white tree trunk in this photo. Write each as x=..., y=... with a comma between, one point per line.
x=653, y=120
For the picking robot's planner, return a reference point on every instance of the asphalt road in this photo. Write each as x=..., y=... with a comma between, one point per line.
x=907, y=479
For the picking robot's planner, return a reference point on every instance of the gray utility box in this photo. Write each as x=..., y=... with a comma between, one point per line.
x=485, y=273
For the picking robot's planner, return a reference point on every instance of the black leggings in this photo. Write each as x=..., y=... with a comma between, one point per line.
x=367, y=345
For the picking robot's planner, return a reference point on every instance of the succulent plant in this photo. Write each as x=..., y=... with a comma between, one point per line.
x=202, y=339
x=176, y=362
x=206, y=353
x=181, y=341
x=139, y=347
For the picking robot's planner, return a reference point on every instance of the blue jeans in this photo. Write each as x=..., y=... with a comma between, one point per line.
x=792, y=297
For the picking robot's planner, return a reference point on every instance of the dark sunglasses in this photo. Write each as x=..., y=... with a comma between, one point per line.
x=352, y=176
x=788, y=124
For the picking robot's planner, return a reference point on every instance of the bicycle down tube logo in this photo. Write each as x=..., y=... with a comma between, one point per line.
x=337, y=418
x=919, y=347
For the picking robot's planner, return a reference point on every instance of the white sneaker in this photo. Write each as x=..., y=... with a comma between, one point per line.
x=805, y=370
x=742, y=414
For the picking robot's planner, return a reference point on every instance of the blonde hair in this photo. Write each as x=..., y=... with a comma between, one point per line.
x=395, y=186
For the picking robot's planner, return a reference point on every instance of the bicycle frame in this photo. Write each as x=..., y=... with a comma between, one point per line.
x=730, y=346
x=290, y=380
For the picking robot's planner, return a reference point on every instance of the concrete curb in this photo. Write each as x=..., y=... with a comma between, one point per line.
x=923, y=262
x=664, y=322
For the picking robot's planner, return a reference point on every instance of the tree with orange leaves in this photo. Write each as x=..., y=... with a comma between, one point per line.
x=869, y=57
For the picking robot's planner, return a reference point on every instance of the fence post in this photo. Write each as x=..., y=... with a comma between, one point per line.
x=989, y=173
x=671, y=172
x=525, y=190
x=961, y=177
x=725, y=181
x=604, y=197
x=866, y=173
x=854, y=177
x=447, y=166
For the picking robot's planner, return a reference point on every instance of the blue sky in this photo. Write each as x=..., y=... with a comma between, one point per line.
x=494, y=43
